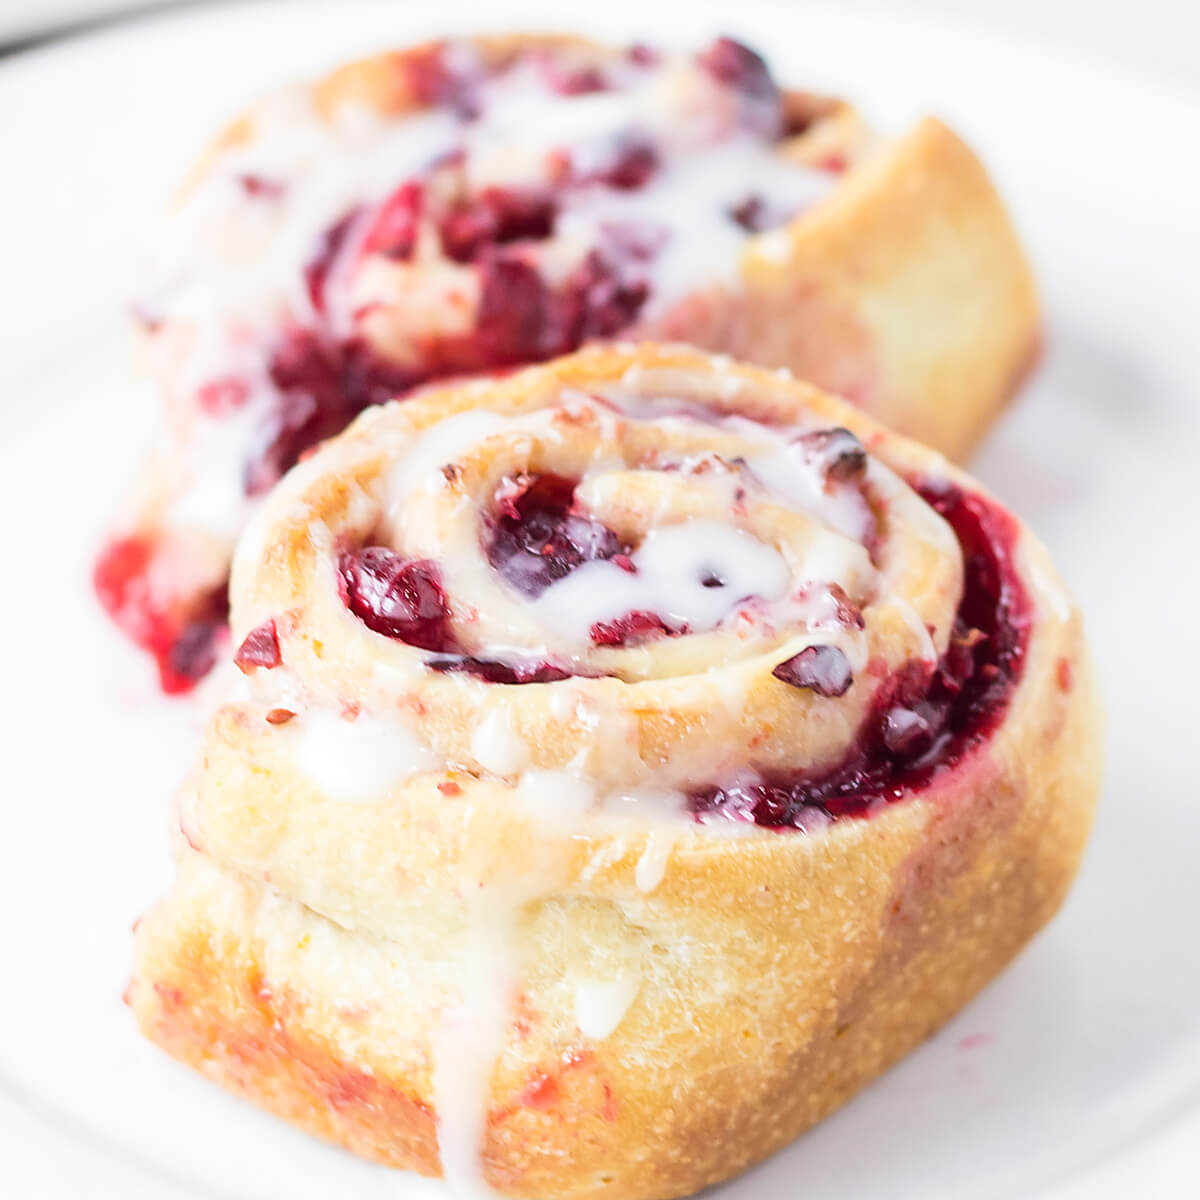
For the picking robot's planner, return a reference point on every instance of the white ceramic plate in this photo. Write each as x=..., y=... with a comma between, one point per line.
x=1077, y=1074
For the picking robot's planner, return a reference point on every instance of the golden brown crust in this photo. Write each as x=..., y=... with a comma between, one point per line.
x=777, y=972
x=906, y=291
x=850, y=951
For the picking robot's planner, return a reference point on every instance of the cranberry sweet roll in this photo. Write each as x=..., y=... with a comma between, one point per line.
x=469, y=206
x=638, y=754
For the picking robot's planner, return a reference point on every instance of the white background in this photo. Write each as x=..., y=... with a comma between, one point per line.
x=1160, y=37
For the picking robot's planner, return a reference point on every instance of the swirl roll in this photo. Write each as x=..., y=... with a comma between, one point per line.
x=637, y=755
x=472, y=205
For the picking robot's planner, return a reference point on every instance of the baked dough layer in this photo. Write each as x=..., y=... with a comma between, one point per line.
x=311, y=948
x=274, y=316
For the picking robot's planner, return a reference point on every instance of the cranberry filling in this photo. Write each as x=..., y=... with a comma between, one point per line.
x=597, y=301
x=397, y=597
x=316, y=270
x=821, y=669
x=631, y=165
x=637, y=626
x=572, y=81
x=394, y=230
x=495, y=217
x=434, y=79
x=492, y=670
x=925, y=718
x=259, y=648
x=325, y=381
x=514, y=319
x=184, y=643
x=323, y=385
x=737, y=66
x=539, y=537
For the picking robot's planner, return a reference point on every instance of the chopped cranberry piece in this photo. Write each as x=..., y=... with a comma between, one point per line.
x=925, y=717
x=512, y=316
x=496, y=217
x=316, y=270
x=324, y=385
x=434, y=81
x=184, y=640
x=259, y=648
x=838, y=451
x=905, y=730
x=633, y=162
x=846, y=611
x=572, y=80
x=821, y=669
x=599, y=303
x=737, y=66
x=220, y=397
x=394, y=232
x=710, y=579
x=751, y=214
x=397, y=597
x=634, y=626
x=493, y=671
x=260, y=187
x=539, y=539
x=642, y=55
x=119, y=578
x=757, y=802
x=191, y=656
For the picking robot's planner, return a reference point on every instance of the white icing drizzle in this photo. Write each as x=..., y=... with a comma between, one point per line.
x=689, y=204
x=652, y=865
x=791, y=479
x=496, y=746
x=671, y=563
x=556, y=797
x=601, y=1005
x=468, y=1042
x=358, y=761
x=419, y=466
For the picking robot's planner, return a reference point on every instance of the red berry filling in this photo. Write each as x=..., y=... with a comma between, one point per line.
x=323, y=385
x=635, y=626
x=318, y=267
x=572, y=81
x=540, y=537
x=514, y=319
x=325, y=380
x=494, y=217
x=394, y=230
x=259, y=648
x=492, y=670
x=322, y=378
x=737, y=66
x=926, y=717
x=183, y=641
x=397, y=597
x=838, y=453
x=435, y=80
x=824, y=670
